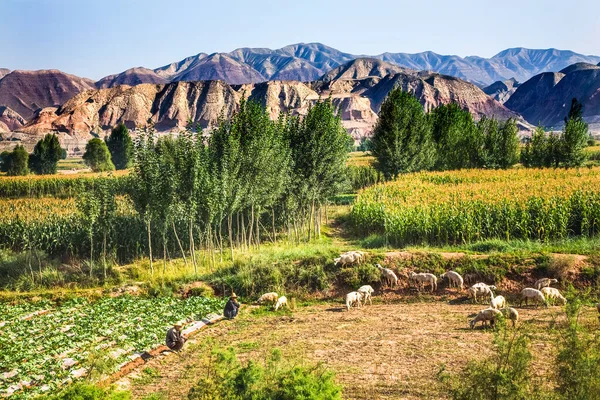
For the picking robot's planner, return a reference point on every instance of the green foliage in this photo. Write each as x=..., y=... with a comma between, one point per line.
x=97, y=156
x=15, y=163
x=82, y=391
x=402, y=139
x=120, y=145
x=229, y=379
x=363, y=176
x=506, y=375
x=46, y=154
x=458, y=139
x=575, y=136
x=501, y=144
x=59, y=186
x=578, y=359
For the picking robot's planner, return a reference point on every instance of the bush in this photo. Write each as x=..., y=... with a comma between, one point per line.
x=504, y=375
x=228, y=379
x=16, y=162
x=81, y=391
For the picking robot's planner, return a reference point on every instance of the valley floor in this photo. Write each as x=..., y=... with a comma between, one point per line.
x=384, y=351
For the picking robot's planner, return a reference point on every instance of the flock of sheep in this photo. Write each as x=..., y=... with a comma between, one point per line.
x=541, y=294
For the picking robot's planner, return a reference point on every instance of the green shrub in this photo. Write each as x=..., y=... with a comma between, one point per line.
x=228, y=379
x=81, y=391
x=505, y=375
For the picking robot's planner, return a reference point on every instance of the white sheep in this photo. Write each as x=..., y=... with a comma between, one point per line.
x=423, y=278
x=512, y=314
x=483, y=316
x=388, y=275
x=353, y=298
x=346, y=259
x=554, y=294
x=359, y=256
x=498, y=302
x=366, y=291
x=481, y=290
x=534, y=294
x=544, y=282
x=281, y=302
x=268, y=298
x=454, y=279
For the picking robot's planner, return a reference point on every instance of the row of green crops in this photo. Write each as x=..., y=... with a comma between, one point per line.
x=62, y=186
x=38, y=355
x=461, y=207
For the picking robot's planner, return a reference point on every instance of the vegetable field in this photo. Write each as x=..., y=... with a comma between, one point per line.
x=43, y=346
x=465, y=206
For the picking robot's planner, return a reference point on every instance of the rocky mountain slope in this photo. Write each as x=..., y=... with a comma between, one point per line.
x=502, y=90
x=131, y=77
x=546, y=97
x=10, y=120
x=4, y=72
x=364, y=68
x=26, y=91
x=171, y=106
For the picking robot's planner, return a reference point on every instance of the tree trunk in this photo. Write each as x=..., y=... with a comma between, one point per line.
x=257, y=230
x=273, y=224
x=192, y=250
x=104, y=254
x=164, y=240
x=244, y=242
x=91, y=254
x=251, y=225
x=179, y=243
x=150, y=246
x=221, y=239
x=229, y=229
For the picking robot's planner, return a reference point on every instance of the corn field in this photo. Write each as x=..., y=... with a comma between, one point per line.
x=466, y=206
x=58, y=185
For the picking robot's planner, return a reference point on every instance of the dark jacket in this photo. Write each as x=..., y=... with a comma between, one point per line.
x=231, y=308
x=174, y=340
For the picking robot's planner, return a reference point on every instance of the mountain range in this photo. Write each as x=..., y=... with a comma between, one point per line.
x=294, y=76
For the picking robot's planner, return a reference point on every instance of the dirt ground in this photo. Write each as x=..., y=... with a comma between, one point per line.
x=383, y=351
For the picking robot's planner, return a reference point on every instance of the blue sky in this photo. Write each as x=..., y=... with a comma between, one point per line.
x=94, y=38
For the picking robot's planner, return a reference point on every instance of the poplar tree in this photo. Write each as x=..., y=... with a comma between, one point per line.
x=120, y=145
x=402, y=139
x=46, y=155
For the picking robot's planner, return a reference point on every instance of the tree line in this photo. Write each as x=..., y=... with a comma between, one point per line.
x=407, y=139
x=250, y=180
x=115, y=152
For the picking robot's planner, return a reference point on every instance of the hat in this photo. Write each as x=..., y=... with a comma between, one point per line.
x=233, y=295
x=177, y=324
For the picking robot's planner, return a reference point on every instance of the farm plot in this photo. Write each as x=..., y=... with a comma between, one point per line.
x=465, y=206
x=40, y=351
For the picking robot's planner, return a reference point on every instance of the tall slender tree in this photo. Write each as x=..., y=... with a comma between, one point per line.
x=120, y=145
x=402, y=139
x=574, y=137
x=46, y=155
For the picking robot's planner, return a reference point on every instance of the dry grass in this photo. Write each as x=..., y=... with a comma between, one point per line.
x=360, y=159
x=384, y=351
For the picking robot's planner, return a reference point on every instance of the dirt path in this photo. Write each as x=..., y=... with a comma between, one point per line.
x=386, y=351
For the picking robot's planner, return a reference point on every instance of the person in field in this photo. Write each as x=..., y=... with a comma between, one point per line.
x=175, y=339
x=232, y=307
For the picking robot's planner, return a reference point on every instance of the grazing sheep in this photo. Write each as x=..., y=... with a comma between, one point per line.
x=423, y=278
x=352, y=298
x=498, y=302
x=359, y=256
x=366, y=291
x=554, y=294
x=471, y=278
x=512, y=314
x=454, y=279
x=281, y=302
x=345, y=259
x=489, y=314
x=481, y=290
x=268, y=298
x=544, y=282
x=534, y=294
x=388, y=275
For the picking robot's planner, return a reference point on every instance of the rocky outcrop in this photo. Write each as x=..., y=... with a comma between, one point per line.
x=171, y=106
x=26, y=91
x=131, y=77
x=545, y=99
x=502, y=90
x=363, y=68
x=4, y=72
x=10, y=120
x=219, y=67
